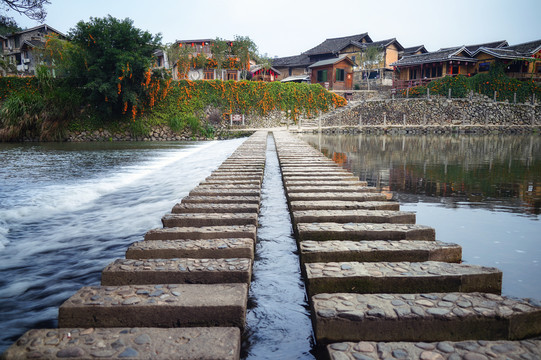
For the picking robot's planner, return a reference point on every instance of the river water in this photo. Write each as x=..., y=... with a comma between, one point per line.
x=482, y=192
x=67, y=210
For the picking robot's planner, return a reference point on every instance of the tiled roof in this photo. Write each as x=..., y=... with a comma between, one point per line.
x=329, y=61
x=385, y=43
x=44, y=26
x=436, y=56
x=334, y=45
x=34, y=43
x=472, y=48
x=292, y=61
x=528, y=48
x=412, y=50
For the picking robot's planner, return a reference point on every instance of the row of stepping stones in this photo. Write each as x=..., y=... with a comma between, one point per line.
x=182, y=292
x=382, y=287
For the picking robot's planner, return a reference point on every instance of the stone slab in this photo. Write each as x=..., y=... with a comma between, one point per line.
x=177, y=271
x=209, y=219
x=343, y=205
x=203, y=233
x=290, y=189
x=336, y=196
x=204, y=191
x=354, y=216
x=400, y=277
x=335, y=183
x=363, y=231
x=423, y=317
x=221, y=200
x=133, y=343
x=211, y=248
x=235, y=181
x=234, y=177
x=186, y=208
x=480, y=350
x=227, y=185
x=378, y=251
x=164, y=306
x=316, y=177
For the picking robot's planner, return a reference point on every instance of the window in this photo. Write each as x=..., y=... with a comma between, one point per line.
x=231, y=75
x=321, y=75
x=340, y=74
x=484, y=66
x=413, y=74
x=208, y=75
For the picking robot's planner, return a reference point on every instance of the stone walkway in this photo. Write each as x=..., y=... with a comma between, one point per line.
x=379, y=285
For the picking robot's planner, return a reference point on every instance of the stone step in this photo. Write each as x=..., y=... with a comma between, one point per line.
x=336, y=183
x=188, y=208
x=353, y=216
x=315, y=171
x=337, y=196
x=209, y=219
x=291, y=189
x=423, y=317
x=315, y=177
x=234, y=177
x=177, y=271
x=205, y=191
x=400, y=277
x=236, y=181
x=221, y=200
x=378, y=251
x=171, y=305
x=133, y=343
x=237, y=172
x=343, y=205
x=211, y=249
x=482, y=349
x=228, y=185
x=203, y=233
x=363, y=231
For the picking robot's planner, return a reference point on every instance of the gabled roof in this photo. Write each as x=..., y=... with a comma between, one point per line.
x=472, y=48
x=412, y=50
x=45, y=26
x=436, y=56
x=528, y=48
x=292, y=61
x=385, y=43
x=33, y=44
x=334, y=45
x=331, y=61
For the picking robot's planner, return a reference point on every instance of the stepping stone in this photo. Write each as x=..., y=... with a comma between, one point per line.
x=202, y=233
x=343, y=205
x=186, y=208
x=133, y=343
x=336, y=184
x=423, y=317
x=337, y=196
x=177, y=271
x=234, y=177
x=221, y=199
x=237, y=172
x=209, y=219
x=364, y=231
x=227, y=185
x=526, y=349
x=354, y=216
x=400, y=277
x=328, y=189
x=232, y=182
x=172, y=305
x=379, y=251
x=201, y=249
x=315, y=177
x=197, y=191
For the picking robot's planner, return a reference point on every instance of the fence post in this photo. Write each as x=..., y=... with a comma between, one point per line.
x=361, y=120
x=514, y=98
x=495, y=92
x=407, y=93
x=424, y=119
x=231, y=119
x=428, y=93
x=300, y=123
x=449, y=93
x=384, y=119
x=319, y=124
x=404, y=119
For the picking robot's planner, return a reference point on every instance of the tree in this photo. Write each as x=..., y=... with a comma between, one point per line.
x=371, y=57
x=8, y=25
x=112, y=62
x=266, y=63
x=180, y=56
x=33, y=9
x=220, y=52
x=244, y=48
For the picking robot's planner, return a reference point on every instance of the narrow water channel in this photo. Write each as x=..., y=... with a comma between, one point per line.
x=278, y=319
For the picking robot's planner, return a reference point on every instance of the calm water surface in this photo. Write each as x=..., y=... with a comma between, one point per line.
x=68, y=210
x=482, y=192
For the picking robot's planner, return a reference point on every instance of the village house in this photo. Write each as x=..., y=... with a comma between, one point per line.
x=334, y=73
x=19, y=47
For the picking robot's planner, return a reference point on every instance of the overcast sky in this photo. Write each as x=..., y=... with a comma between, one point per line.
x=289, y=27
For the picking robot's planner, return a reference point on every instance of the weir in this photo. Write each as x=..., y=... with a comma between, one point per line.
x=377, y=284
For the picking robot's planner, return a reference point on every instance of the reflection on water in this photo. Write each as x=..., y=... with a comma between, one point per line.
x=483, y=192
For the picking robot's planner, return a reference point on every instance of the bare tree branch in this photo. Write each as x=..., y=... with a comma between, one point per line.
x=33, y=9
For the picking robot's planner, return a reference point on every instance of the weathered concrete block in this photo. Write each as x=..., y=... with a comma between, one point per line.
x=177, y=271
x=185, y=208
x=199, y=191
x=231, y=182
x=337, y=184
x=337, y=196
x=400, y=277
x=172, y=305
x=353, y=216
x=201, y=233
x=133, y=343
x=316, y=177
x=290, y=189
x=364, y=231
x=209, y=219
x=423, y=317
x=195, y=249
x=527, y=349
x=221, y=200
x=378, y=251
x=237, y=177
x=343, y=205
